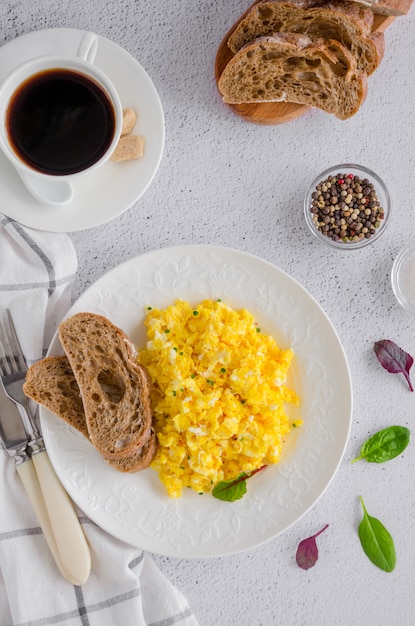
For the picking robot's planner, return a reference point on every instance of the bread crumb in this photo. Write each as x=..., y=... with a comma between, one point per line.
x=129, y=118
x=129, y=148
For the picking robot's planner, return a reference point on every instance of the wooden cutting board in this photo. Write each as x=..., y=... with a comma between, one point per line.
x=272, y=112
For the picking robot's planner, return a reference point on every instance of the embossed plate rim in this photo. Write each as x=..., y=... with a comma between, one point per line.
x=135, y=508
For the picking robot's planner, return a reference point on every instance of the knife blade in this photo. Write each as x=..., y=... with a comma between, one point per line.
x=15, y=440
x=12, y=431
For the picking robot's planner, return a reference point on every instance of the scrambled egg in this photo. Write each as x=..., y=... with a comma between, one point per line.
x=218, y=394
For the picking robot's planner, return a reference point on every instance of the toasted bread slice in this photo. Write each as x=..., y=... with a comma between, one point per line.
x=290, y=67
x=51, y=383
x=346, y=22
x=115, y=388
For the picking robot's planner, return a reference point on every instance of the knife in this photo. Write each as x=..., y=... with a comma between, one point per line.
x=14, y=438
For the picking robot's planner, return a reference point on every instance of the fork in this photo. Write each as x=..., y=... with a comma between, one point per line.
x=70, y=540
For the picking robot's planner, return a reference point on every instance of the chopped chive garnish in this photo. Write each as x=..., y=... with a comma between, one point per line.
x=195, y=313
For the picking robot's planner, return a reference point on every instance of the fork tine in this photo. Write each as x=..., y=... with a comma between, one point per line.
x=13, y=370
x=4, y=344
x=12, y=359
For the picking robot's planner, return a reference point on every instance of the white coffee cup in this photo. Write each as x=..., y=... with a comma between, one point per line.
x=55, y=188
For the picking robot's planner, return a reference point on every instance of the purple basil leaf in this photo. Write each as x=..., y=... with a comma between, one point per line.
x=394, y=359
x=307, y=551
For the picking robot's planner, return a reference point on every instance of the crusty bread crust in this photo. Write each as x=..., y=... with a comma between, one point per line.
x=347, y=22
x=114, y=387
x=387, y=7
x=290, y=67
x=139, y=461
x=51, y=383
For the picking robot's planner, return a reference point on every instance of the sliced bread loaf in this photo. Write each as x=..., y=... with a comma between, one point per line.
x=290, y=67
x=346, y=22
x=51, y=383
x=115, y=388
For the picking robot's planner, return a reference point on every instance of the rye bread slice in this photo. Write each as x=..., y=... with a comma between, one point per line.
x=115, y=388
x=346, y=22
x=51, y=383
x=289, y=67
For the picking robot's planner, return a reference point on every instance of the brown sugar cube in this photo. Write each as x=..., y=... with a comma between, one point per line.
x=129, y=147
x=129, y=118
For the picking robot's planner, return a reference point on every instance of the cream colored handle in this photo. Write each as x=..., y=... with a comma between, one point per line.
x=30, y=482
x=70, y=539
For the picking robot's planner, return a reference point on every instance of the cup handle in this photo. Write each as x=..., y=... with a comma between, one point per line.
x=88, y=47
x=51, y=192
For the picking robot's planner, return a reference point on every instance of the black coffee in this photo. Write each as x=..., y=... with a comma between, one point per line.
x=60, y=122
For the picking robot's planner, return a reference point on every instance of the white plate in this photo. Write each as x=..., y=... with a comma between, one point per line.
x=135, y=508
x=105, y=194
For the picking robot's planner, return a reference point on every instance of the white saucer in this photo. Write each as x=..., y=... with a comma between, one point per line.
x=103, y=195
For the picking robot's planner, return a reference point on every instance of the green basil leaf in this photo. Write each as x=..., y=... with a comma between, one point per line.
x=376, y=541
x=384, y=445
x=231, y=490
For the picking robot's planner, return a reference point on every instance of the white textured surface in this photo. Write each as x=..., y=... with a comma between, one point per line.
x=223, y=181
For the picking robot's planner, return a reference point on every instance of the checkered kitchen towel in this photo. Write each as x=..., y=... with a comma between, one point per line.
x=125, y=586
